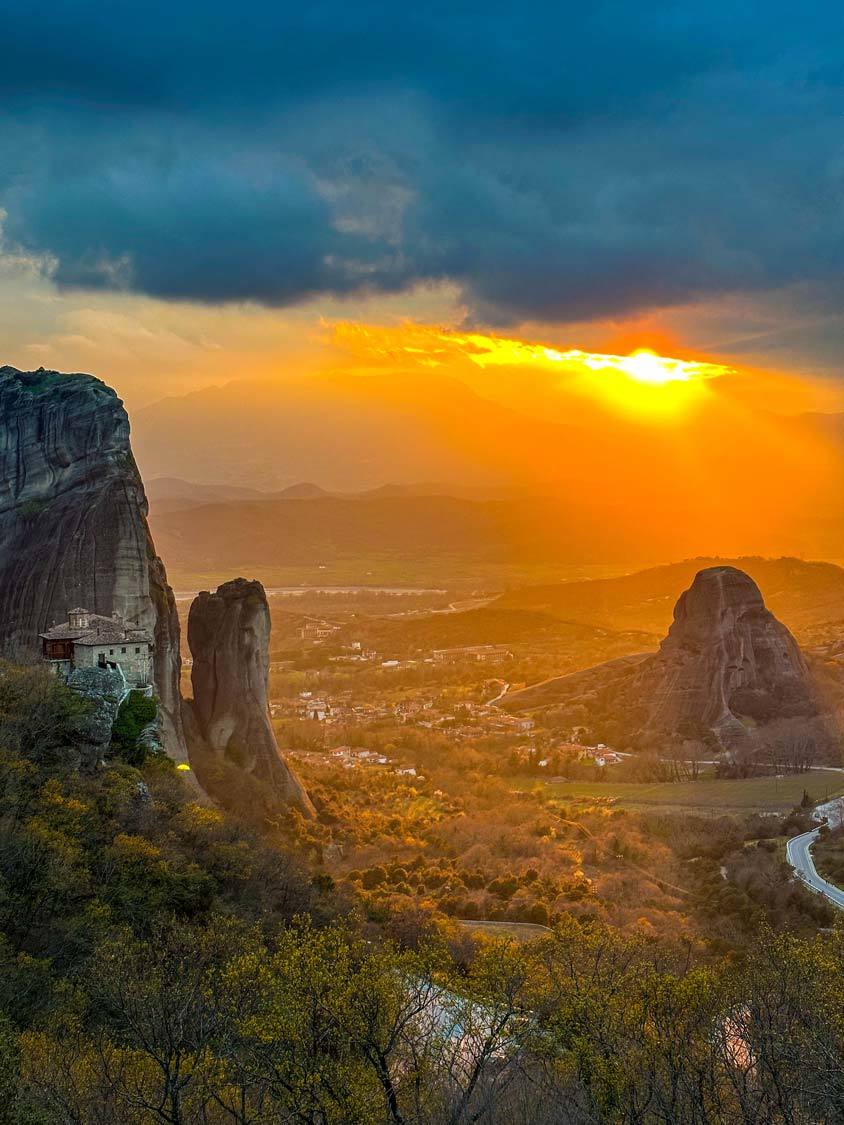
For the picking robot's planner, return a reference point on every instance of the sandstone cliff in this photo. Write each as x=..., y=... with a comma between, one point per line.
x=73, y=527
x=230, y=737
x=727, y=664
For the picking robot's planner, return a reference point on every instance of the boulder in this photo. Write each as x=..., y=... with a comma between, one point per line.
x=103, y=689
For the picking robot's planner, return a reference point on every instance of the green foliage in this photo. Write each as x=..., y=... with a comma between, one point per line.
x=39, y=717
x=9, y=1072
x=136, y=712
x=159, y=962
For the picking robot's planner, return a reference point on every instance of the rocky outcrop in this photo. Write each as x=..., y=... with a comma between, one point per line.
x=103, y=689
x=727, y=665
x=230, y=737
x=73, y=526
x=726, y=657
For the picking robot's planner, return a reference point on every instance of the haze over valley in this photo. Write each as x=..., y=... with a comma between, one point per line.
x=589, y=485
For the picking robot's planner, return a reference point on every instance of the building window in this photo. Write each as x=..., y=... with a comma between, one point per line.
x=111, y=652
x=137, y=650
x=123, y=650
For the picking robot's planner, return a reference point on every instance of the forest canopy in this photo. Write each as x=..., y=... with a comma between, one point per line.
x=161, y=962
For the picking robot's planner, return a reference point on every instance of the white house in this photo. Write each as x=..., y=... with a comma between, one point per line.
x=317, y=710
x=88, y=640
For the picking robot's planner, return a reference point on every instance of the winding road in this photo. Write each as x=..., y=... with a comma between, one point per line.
x=798, y=852
x=505, y=687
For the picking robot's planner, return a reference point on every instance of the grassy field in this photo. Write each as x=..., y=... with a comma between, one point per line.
x=766, y=793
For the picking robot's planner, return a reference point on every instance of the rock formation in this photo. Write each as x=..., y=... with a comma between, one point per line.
x=230, y=736
x=104, y=690
x=727, y=664
x=725, y=657
x=73, y=527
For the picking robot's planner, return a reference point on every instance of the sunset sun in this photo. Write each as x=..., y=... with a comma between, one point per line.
x=655, y=370
x=641, y=382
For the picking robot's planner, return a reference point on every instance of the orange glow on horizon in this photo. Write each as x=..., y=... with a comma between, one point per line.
x=642, y=365
x=642, y=382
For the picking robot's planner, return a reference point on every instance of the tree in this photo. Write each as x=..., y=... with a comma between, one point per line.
x=136, y=712
x=159, y=1018
x=792, y=745
x=39, y=717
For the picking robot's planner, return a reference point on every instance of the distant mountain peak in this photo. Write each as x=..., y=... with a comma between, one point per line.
x=304, y=490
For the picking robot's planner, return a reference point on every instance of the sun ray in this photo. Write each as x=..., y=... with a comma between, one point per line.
x=642, y=382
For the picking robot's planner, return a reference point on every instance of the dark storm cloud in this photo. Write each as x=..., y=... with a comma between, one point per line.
x=552, y=160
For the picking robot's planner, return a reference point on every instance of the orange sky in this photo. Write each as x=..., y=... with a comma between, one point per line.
x=149, y=349
x=729, y=419
x=658, y=382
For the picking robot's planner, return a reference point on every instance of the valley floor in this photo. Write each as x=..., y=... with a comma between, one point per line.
x=774, y=794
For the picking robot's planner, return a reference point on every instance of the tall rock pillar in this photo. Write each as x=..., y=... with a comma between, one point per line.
x=231, y=740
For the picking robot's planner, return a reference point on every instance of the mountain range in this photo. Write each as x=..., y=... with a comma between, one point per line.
x=169, y=494
x=635, y=487
x=434, y=532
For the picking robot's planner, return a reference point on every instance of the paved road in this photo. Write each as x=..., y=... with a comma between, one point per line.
x=798, y=852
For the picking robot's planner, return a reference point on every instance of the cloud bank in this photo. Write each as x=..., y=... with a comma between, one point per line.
x=553, y=161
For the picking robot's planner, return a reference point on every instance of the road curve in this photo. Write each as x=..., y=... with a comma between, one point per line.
x=505, y=687
x=799, y=855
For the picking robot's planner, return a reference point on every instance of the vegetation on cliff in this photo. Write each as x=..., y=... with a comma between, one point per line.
x=162, y=963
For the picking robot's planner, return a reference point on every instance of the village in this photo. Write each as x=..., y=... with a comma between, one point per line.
x=333, y=721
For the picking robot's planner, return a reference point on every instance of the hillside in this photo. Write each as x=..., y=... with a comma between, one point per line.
x=274, y=533
x=352, y=433
x=141, y=932
x=172, y=494
x=174, y=488
x=494, y=625
x=432, y=538
x=804, y=595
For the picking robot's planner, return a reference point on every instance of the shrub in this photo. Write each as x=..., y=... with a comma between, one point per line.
x=136, y=712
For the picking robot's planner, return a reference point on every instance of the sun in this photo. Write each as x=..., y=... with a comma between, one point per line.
x=643, y=382
x=641, y=366
x=654, y=370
